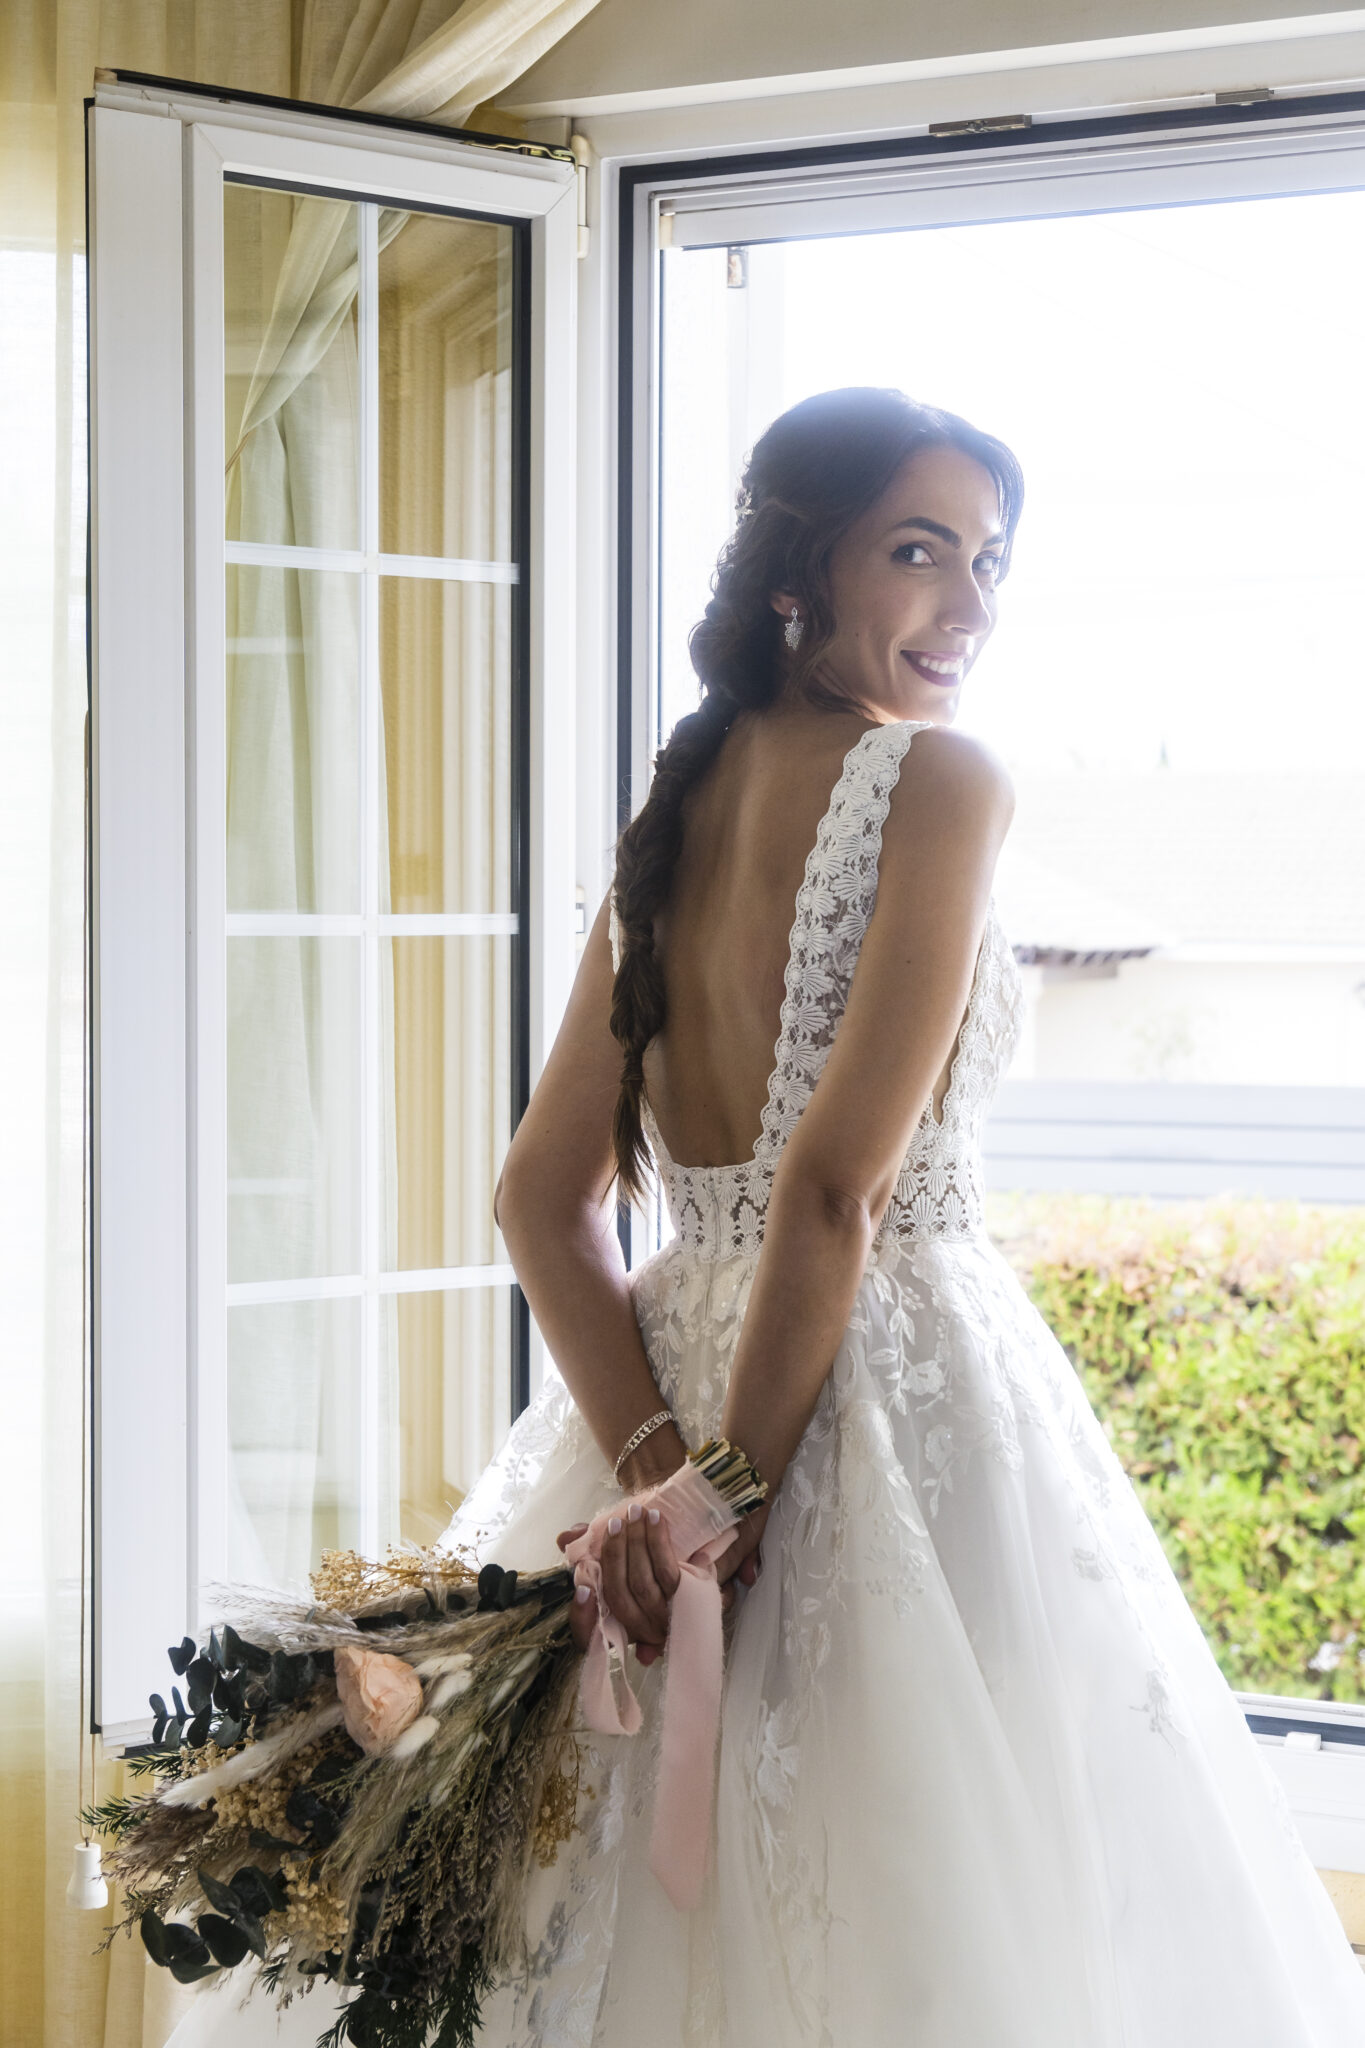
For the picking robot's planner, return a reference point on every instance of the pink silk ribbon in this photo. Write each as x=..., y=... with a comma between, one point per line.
x=699, y=1523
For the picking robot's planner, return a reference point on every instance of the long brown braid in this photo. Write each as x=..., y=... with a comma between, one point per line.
x=815, y=470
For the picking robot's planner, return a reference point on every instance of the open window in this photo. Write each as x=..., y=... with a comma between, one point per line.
x=1176, y=685
x=332, y=427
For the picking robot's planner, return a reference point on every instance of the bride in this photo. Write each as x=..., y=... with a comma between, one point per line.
x=980, y=1783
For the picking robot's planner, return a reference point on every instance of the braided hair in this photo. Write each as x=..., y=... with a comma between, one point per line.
x=814, y=471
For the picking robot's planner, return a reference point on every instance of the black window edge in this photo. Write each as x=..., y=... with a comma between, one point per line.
x=521, y=751
x=229, y=96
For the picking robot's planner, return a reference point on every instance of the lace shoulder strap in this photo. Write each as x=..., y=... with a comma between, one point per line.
x=614, y=932
x=833, y=906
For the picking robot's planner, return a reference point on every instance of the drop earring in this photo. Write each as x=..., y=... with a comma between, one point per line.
x=793, y=629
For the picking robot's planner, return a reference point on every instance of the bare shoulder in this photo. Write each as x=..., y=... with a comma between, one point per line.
x=953, y=791
x=940, y=758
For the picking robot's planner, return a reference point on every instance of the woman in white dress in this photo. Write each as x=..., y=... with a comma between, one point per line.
x=980, y=1783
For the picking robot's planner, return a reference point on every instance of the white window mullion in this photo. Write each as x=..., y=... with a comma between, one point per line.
x=207, y=842
x=138, y=878
x=348, y=1286
x=347, y=561
x=373, y=1164
x=313, y=924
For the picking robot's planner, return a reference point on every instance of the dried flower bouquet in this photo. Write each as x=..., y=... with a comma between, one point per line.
x=354, y=1790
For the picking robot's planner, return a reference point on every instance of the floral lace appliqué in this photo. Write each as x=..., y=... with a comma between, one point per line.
x=719, y=1211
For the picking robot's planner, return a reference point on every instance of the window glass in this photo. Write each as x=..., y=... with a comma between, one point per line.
x=292, y=391
x=445, y=384
x=1178, y=689
x=371, y=926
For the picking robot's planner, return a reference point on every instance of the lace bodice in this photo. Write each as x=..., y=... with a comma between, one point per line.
x=720, y=1210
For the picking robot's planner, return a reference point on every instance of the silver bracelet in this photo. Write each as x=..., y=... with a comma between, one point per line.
x=634, y=1441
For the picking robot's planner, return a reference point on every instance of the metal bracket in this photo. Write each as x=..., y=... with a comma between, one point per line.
x=995, y=124
x=581, y=150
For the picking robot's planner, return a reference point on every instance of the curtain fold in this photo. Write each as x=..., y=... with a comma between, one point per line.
x=421, y=58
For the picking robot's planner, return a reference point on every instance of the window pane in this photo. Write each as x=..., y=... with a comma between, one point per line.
x=454, y=1392
x=446, y=678
x=293, y=1423
x=445, y=379
x=452, y=1032
x=1182, y=879
x=291, y=398
x=293, y=775
x=293, y=1101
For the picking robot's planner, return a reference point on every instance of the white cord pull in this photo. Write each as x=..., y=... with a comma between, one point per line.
x=87, y=1889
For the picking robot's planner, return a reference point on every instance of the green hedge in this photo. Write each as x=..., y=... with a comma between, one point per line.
x=1222, y=1344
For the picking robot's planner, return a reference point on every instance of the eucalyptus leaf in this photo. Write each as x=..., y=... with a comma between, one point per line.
x=159, y=1707
x=255, y=1895
x=215, y=1651
x=244, y=1656
x=228, y=1733
x=281, y=1683
x=334, y=1765
x=220, y=1896
x=311, y=1816
x=183, y=1944
x=199, y=1684
x=226, y=1941
x=229, y=1692
x=186, y=1972
x=179, y=1703
x=154, y=1937
x=255, y=1934
x=182, y=1656
x=197, y=1734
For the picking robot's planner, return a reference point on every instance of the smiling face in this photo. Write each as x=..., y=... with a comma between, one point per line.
x=912, y=588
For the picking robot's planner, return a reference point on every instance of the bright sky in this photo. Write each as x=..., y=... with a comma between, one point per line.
x=1183, y=387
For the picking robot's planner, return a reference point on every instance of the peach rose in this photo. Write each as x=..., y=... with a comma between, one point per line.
x=380, y=1696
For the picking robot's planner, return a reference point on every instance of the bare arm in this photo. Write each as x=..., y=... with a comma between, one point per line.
x=949, y=814
x=558, y=1215
x=557, y=1211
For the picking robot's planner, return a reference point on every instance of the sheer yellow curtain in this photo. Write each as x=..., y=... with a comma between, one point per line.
x=422, y=58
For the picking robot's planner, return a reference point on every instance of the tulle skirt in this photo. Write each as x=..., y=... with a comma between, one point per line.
x=980, y=1782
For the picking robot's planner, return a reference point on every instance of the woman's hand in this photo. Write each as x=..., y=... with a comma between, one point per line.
x=743, y=1560
x=640, y=1576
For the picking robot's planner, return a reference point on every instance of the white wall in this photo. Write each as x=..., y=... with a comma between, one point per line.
x=1271, y=1024
x=659, y=47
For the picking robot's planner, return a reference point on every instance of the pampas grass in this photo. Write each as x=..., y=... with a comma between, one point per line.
x=396, y=1870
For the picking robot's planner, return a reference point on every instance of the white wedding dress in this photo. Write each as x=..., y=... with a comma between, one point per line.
x=980, y=1781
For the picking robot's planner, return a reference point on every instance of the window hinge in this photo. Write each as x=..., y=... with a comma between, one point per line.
x=582, y=156
x=994, y=124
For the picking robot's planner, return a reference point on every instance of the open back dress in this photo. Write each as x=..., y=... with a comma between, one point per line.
x=980, y=1781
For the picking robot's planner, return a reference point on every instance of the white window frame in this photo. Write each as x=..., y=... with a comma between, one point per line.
x=158, y=157
x=856, y=181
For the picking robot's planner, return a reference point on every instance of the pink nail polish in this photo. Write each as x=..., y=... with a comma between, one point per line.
x=634, y=1511
x=654, y=1516
x=614, y=1526
x=583, y=1594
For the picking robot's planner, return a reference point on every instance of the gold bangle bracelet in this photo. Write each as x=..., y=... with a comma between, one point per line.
x=637, y=1437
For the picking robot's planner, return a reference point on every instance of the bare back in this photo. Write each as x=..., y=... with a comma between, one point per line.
x=749, y=825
